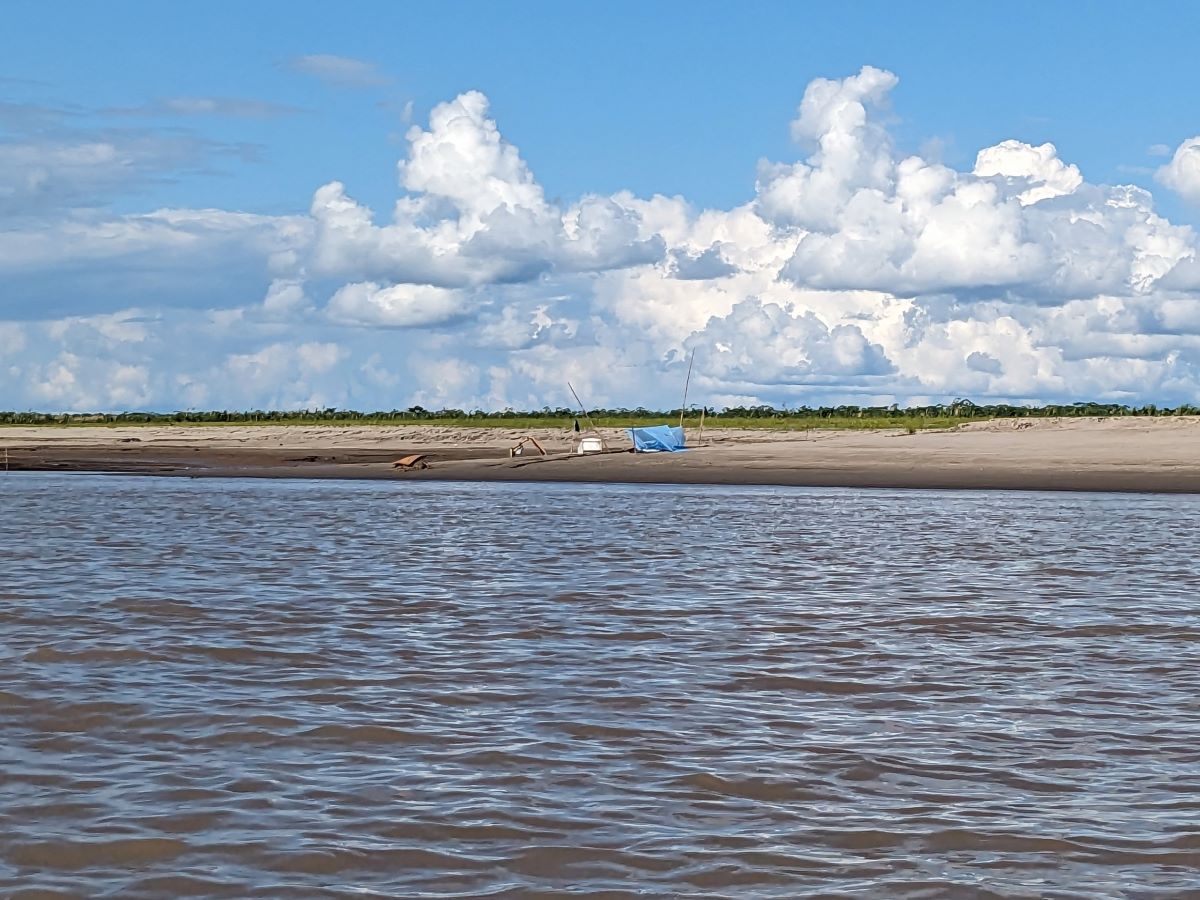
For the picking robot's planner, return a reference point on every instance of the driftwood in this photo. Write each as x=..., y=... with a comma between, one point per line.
x=518, y=448
x=416, y=461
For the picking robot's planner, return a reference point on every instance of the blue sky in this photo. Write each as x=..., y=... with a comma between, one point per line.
x=251, y=108
x=651, y=97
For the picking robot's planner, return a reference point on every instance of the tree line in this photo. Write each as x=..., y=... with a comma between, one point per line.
x=958, y=409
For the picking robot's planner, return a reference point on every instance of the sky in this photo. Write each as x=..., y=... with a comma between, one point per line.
x=291, y=205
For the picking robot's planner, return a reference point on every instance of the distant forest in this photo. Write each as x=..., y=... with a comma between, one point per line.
x=957, y=410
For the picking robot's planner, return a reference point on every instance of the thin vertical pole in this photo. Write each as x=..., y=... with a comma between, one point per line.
x=700, y=439
x=591, y=424
x=686, y=382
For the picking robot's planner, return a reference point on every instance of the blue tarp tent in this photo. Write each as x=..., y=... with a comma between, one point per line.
x=657, y=438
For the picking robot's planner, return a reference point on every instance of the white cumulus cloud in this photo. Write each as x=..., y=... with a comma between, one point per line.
x=472, y=214
x=1037, y=171
x=854, y=271
x=396, y=305
x=1182, y=173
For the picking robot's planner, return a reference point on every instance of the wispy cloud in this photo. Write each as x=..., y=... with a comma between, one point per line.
x=65, y=160
x=341, y=71
x=29, y=116
x=403, y=110
x=21, y=82
x=227, y=107
x=48, y=173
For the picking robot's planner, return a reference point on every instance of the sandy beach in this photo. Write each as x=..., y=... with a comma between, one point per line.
x=1127, y=454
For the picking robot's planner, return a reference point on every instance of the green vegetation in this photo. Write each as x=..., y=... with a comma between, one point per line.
x=910, y=419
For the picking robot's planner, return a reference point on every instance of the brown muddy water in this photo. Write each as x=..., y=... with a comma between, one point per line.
x=296, y=689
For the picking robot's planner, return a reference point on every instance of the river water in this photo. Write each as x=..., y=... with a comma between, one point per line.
x=319, y=689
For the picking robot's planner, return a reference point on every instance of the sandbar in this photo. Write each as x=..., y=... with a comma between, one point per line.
x=1102, y=454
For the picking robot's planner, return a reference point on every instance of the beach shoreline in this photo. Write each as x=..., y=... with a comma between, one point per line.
x=1116, y=454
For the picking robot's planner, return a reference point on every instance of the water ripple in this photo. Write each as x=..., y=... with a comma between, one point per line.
x=288, y=689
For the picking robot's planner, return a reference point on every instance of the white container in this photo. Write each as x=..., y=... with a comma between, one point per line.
x=590, y=445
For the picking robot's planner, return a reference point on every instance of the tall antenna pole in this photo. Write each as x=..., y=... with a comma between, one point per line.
x=686, y=382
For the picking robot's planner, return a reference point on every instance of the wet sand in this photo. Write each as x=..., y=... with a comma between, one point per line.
x=1130, y=454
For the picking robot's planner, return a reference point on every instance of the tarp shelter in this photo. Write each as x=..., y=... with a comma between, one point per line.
x=657, y=439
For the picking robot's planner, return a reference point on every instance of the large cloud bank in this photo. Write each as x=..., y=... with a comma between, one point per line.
x=855, y=273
